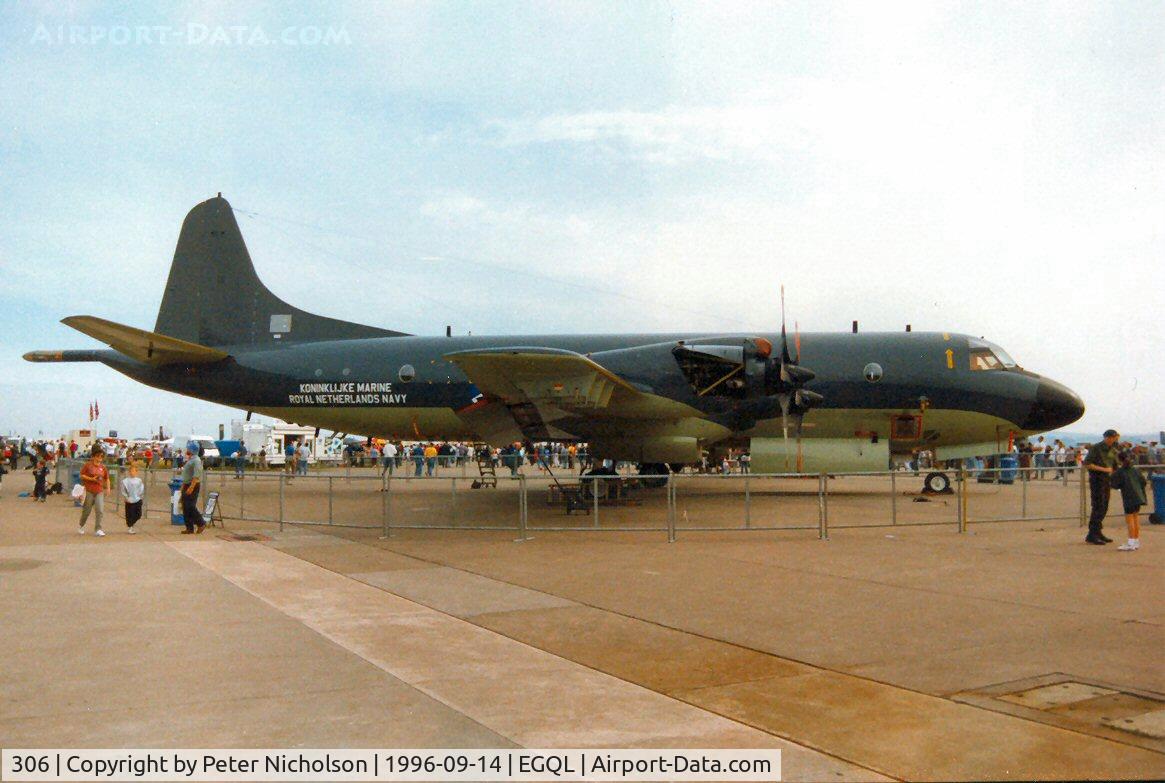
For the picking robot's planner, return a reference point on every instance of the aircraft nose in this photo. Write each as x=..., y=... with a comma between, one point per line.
x=1055, y=406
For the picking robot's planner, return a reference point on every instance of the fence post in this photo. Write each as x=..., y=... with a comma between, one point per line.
x=1023, y=494
x=386, y=508
x=243, y=495
x=522, y=534
x=1083, y=494
x=961, y=500
x=893, y=497
x=671, y=509
x=822, y=510
x=282, y=476
x=747, y=504
x=453, y=500
x=146, y=494
x=595, y=498
x=329, y=500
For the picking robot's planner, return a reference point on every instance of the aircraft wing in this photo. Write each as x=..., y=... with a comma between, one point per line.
x=148, y=347
x=552, y=378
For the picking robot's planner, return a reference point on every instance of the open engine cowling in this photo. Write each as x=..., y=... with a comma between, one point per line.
x=748, y=371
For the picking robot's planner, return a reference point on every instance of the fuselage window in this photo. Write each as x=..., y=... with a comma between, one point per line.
x=407, y=373
x=873, y=372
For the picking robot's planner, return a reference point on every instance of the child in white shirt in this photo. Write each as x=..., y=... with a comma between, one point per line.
x=133, y=489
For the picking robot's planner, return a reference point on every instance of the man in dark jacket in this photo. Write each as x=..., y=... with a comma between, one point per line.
x=1100, y=463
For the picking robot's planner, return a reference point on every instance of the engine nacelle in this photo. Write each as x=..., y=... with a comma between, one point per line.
x=819, y=455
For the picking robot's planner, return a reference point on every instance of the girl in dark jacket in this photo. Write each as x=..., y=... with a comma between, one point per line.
x=1131, y=484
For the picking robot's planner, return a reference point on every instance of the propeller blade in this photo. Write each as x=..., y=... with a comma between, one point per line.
x=806, y=399
x=800, y=455
x=784, y=398
x=785, y=358
x=798, y=374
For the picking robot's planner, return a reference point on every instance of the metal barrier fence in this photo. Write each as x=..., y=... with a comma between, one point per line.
x=671, y=504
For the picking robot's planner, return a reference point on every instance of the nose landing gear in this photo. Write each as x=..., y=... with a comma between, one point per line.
x=937, y=483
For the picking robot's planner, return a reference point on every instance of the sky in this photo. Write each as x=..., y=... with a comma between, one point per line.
x=990, y=168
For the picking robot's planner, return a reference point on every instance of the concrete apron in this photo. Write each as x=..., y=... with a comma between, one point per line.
x=895, y=731
x=529, y=696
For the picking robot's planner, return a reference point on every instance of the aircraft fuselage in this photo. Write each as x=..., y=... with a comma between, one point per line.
x=366, y=386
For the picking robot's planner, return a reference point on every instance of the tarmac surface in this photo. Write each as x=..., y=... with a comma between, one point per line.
x=1012, y=651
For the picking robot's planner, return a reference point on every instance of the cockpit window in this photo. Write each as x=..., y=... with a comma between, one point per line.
x=988, y=356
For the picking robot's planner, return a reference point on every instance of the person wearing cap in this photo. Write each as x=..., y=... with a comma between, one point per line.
x=191, y=483
x=1100, y=464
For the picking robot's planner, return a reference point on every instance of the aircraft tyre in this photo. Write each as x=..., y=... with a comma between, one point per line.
x=589, y=479
x=937, y=483
x=657, y=471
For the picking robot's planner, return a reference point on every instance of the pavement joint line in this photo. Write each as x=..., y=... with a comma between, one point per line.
x=815, y=666
x=322, y=635
x=338, y=534
x=180, y=545
x=737, y=719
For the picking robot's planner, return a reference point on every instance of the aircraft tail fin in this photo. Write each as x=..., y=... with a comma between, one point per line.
x=214, y=297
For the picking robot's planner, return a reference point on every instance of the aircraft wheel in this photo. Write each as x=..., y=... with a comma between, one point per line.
x=937, y=483
x=587, y=482
x=658, y=472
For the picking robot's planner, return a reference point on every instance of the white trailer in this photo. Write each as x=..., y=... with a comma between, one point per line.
x=280, y=433
x=253, y=435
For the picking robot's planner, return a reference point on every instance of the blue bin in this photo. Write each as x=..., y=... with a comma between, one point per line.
x=1009, y=465
x=176, y=517
x=74, y=480
x=1158, y=515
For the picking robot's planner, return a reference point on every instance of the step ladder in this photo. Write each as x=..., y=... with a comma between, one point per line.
x=485, y=467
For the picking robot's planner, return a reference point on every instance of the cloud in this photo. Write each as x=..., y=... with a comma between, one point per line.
x=670, y=136
x=453, y=206
x=465, y=210
x=995, y=171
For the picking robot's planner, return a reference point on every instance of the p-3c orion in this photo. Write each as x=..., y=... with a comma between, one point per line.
x=655, y=399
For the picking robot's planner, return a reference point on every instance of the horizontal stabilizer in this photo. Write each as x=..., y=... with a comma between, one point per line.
x=148, y=347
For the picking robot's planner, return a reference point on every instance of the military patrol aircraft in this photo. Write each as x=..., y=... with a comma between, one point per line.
x=655, y=399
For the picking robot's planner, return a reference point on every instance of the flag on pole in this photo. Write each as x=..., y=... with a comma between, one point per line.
x=96, y=410
x=90, y=411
